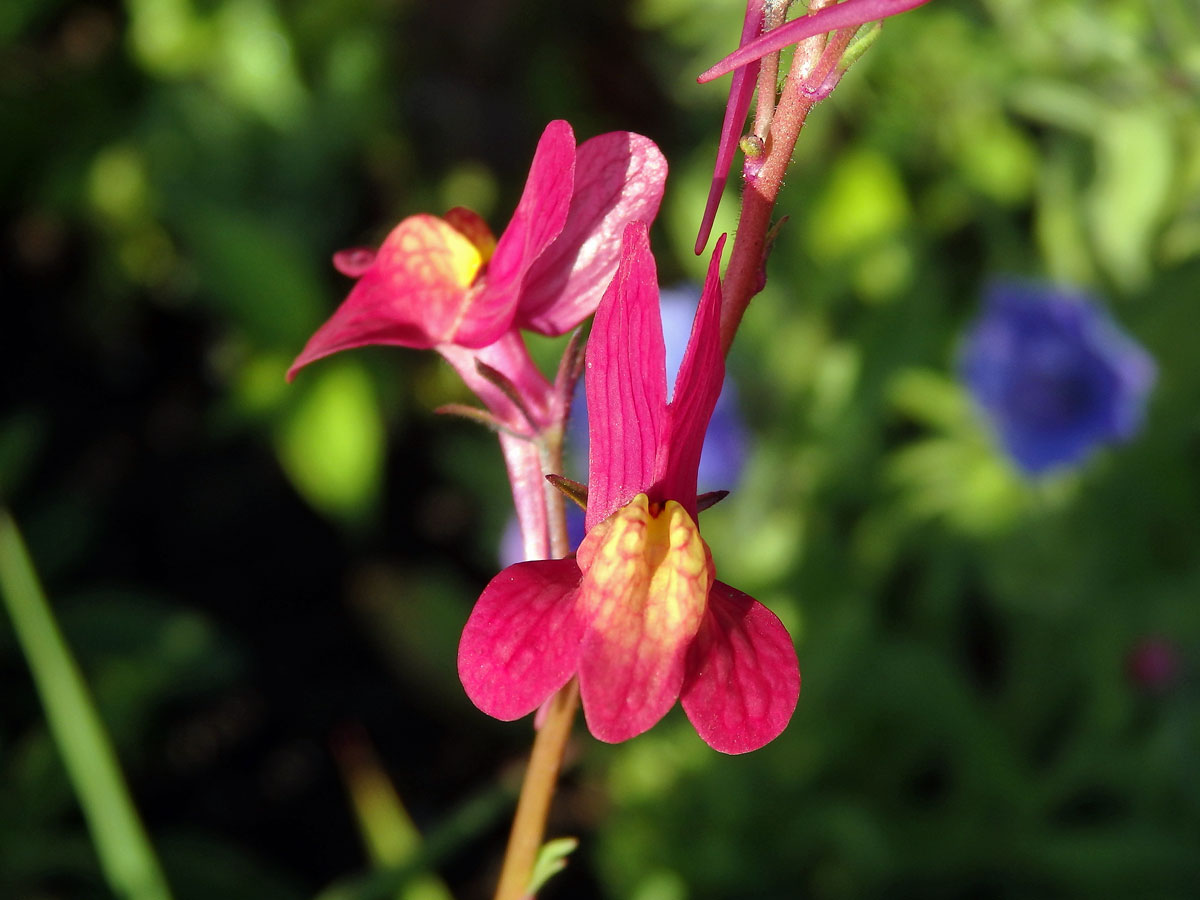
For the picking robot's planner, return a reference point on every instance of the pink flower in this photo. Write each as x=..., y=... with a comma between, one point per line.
x=448, y=284
x=447, y=281
x=638, y=616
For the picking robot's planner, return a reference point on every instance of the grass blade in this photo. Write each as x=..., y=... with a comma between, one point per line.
x=121, y=842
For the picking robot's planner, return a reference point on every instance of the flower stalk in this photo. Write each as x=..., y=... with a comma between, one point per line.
x=745, y=275
x=537, y=791
x=826, y=46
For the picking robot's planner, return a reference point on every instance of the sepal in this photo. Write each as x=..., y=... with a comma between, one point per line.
x=504, y=384
x=570, y=367
x=479, y=417
x=573, y=490
x=710, y=499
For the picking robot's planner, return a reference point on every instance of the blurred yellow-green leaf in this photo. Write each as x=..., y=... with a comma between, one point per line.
x=1134, y=163
x=863, y=200
x=331, y=441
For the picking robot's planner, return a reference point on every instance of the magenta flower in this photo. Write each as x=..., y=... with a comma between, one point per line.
x=744, y=63
x=638, y=616
x=448, y=282
x=449, y=285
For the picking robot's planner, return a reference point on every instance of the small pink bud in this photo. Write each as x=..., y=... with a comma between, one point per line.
x=354, y=261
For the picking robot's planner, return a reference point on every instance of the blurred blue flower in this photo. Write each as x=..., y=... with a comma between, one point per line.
x=725, y=445
x=1054, y=375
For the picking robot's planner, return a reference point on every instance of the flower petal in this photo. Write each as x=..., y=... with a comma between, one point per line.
x=626, y=381
x=619, y=177
x=537, y=221
x=741, y=90
x=697, y=387
x=414, y=293
x=522, y=640
x=646, y=580
x=354, y=261
x=627, y=688
x=848, y=14
x=743, y=680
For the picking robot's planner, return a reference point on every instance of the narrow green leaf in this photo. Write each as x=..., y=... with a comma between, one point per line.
x=465, y=824
x=388, y=831
x=126, y=855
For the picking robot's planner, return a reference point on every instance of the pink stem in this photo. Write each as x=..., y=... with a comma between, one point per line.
x=524, y=464
x=744, y=275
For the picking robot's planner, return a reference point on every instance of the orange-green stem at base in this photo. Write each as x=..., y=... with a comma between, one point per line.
x=533, y=806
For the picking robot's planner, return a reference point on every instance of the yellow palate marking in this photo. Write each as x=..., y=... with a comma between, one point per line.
x=647, y=575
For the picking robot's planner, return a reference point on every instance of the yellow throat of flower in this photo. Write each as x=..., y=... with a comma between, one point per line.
x=647, y=571
x=472, y=226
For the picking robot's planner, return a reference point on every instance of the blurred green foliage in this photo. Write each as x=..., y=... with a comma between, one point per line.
x=245, y=567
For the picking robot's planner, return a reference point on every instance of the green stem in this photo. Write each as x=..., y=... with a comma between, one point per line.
x=126, y=855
